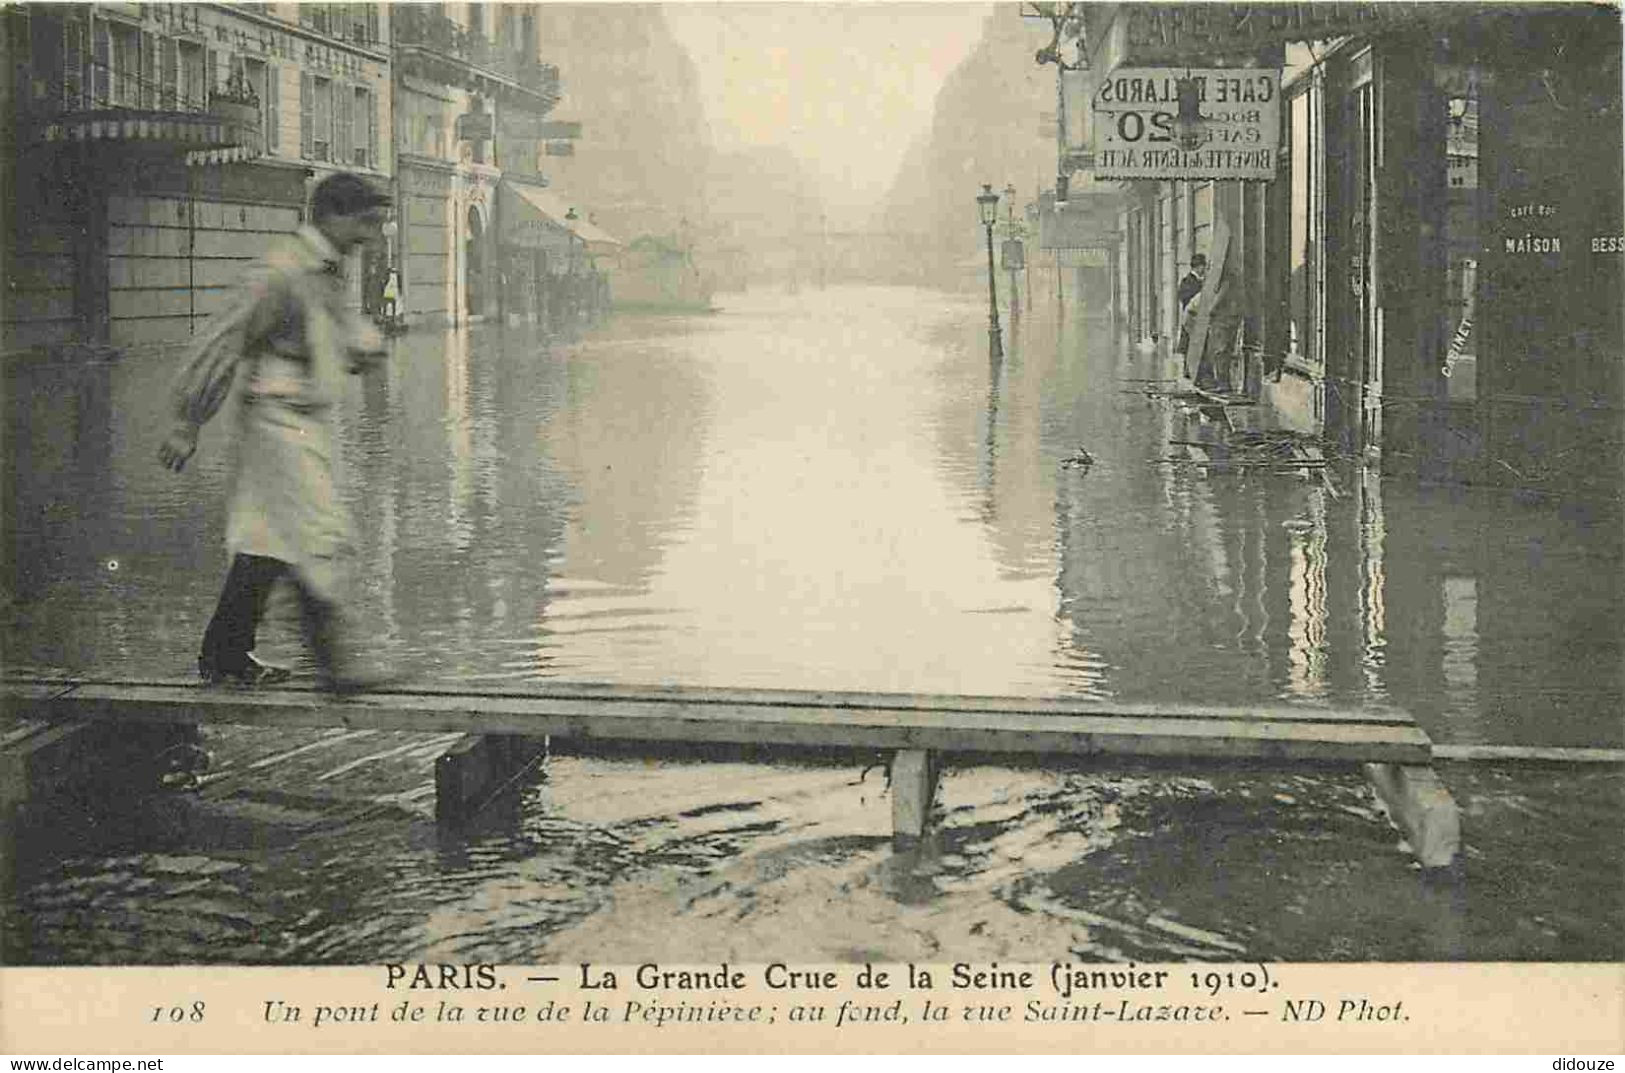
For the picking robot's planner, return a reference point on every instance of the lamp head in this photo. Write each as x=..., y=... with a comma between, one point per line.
x=1188, y=124
x=987, y=204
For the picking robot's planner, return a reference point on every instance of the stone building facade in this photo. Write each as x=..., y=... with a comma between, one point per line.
x=159, y=149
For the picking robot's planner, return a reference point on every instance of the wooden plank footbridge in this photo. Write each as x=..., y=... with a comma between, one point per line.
x=506, y=730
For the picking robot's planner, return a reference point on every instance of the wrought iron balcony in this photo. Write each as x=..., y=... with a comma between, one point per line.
x=434, y=46
x=110, y=108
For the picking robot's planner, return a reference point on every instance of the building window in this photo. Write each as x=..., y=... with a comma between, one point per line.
x=169, y=77
x=192, y=97
x=125, y=66
x=364, y=23
x=149, y=73
x=343, y=124
x=316, y=117
x=318, y=17
x=73, y=64
x=357, y=23
x=364, y=148
x=262, y=79
x=101, y=65
x=425, y=127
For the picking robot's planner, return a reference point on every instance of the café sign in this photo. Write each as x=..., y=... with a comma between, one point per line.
x=1135, y=134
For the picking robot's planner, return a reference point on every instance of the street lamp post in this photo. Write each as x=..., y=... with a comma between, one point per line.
x=987, y=203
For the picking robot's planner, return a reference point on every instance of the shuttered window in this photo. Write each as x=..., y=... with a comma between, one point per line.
x=169, y=76
x=101, y=55
x=261, y=78
x=73, y=63
x=343, y=124
x=321, y=119
x=211, y=75
x=318, y=17
x=365, y=145
x=273, y=108
x=307, y=95
x=191, y=77
x=126, y=67
x=149, y=71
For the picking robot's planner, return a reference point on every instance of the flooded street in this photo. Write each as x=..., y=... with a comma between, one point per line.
x=834, y=489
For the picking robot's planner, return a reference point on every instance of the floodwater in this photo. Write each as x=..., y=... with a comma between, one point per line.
x=831, y=489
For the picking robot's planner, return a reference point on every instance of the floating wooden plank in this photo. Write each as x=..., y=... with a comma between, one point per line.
x=773, y=698
x=1534, y=754
x=756, y=717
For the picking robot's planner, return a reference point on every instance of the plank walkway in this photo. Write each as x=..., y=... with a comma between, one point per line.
x=916, y=728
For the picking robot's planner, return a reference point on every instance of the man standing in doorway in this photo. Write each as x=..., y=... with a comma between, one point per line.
x=292, y=335
x=1189, y=289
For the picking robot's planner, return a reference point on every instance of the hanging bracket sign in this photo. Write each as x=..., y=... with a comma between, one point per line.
x=1136, y=134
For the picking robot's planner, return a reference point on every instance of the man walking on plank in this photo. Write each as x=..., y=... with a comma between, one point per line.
x=294, y=339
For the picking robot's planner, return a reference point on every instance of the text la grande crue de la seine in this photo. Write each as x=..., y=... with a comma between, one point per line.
x=1121, y=993
x=1063, y=978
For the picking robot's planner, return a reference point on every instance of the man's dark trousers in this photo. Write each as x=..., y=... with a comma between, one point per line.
x=231, y=632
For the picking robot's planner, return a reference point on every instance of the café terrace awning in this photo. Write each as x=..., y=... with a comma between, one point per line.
x=535, y=205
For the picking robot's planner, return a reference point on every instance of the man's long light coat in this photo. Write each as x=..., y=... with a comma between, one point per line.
x=290, y=340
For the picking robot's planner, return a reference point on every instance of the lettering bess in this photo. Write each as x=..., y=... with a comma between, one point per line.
x=1134, y=132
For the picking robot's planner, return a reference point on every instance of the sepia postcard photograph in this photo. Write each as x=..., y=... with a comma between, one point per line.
x=1087, y=506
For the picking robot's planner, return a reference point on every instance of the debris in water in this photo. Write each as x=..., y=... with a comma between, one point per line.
x=1079, y=459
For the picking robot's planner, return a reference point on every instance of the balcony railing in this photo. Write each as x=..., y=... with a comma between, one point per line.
x=101, y=105
x=458, y=46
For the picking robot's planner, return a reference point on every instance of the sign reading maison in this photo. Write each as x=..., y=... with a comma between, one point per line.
x=1134, y=130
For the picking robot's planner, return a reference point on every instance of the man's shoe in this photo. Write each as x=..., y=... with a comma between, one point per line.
x=251, y=674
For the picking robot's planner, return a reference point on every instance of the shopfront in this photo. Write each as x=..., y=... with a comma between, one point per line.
x=1430, y=274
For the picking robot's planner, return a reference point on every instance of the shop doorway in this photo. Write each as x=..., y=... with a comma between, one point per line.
x=474, y=265
x=1355, y=358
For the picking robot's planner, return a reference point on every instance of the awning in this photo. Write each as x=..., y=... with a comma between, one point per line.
x=545, y=206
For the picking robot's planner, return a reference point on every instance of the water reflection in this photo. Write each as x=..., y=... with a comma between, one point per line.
x=1459, y=665
x=781, y=495
x=1306, y=631
x=1368, y=485
x=831, y=490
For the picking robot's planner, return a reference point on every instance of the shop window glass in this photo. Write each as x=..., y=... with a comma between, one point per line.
x=1201, y=218
x=1167, y=258
x=1305, y=286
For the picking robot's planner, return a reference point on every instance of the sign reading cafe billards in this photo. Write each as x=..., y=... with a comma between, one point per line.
x=1135, y=135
